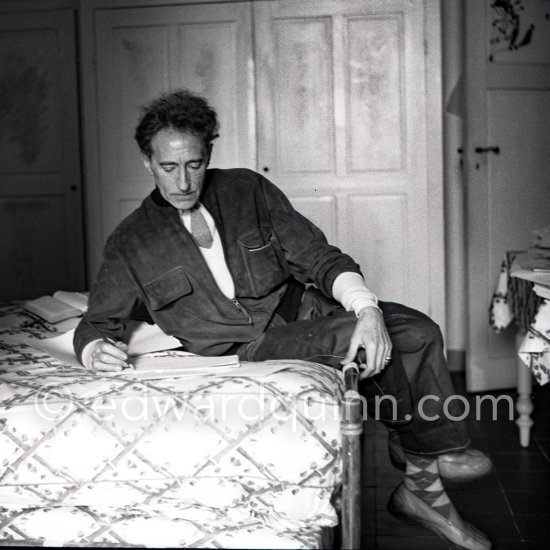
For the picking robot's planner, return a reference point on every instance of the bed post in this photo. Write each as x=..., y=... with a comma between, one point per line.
x=351, y=427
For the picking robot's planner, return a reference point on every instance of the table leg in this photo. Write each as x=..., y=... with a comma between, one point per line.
x=524, y=404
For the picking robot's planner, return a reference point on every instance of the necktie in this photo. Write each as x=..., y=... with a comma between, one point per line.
x=199, y=229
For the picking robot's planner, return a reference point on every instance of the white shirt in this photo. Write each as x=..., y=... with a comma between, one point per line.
x=214, y=255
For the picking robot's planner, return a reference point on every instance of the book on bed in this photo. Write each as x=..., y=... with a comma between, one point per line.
x=59, y=307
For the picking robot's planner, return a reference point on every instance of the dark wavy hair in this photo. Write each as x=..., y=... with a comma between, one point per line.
x=181, y=110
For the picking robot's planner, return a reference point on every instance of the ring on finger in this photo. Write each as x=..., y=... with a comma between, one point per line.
x=387, y=359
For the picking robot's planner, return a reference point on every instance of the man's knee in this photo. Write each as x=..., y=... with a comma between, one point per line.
x=332, y=334
x=427, y=333
x=411, y=330
x=341, y=328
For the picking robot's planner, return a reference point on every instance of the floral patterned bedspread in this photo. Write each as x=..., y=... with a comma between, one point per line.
x=245, y=458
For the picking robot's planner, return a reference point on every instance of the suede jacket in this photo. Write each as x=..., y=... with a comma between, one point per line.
x=152, y=260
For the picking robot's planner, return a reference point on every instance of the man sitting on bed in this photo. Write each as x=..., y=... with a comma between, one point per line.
x=219, y=259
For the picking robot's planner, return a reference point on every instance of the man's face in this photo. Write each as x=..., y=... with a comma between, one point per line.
x=178, y=164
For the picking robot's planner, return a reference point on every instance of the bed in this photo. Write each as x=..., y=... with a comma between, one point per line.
x=262, y=456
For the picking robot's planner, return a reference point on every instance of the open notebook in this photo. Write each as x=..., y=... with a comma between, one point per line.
x=176, y=363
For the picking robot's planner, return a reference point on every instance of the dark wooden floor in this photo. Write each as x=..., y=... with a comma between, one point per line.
x=511, y=506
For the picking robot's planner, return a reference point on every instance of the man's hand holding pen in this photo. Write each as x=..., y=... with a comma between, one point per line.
x=109, y=356
x=106, y=354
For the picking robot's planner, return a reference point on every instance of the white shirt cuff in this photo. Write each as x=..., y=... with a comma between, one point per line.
x=350, y=290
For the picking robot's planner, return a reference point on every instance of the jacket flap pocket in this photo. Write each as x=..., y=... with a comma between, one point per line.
x=254, y=240
x=167, y=287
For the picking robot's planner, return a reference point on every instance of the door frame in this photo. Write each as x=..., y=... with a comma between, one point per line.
x=434, y=158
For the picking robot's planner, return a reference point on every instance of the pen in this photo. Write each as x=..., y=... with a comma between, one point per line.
x=104, y=338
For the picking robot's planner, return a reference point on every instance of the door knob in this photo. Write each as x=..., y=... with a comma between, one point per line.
x=492, y=149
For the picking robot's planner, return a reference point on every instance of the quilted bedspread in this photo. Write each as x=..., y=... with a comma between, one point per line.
x=248, y=457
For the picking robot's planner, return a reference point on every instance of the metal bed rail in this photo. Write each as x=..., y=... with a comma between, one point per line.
x=351, y=429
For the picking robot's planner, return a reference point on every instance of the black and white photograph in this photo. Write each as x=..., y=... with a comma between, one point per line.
x=275, y=274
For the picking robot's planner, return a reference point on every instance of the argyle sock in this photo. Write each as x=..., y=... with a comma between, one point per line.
x=422, y=478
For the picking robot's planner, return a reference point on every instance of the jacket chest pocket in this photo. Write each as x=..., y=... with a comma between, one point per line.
x=264, y=263
x=167, y=288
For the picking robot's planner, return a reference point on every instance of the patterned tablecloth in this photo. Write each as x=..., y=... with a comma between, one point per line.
x=517, y=299
x=247, y=458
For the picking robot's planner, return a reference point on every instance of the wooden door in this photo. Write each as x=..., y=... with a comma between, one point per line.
x=142, y=52
x=342, y=128
x=41, y=249
x=508, y=102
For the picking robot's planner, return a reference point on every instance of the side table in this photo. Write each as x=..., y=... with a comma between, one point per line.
x=523, y=295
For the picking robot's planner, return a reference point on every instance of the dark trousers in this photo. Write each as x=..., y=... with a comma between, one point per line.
x=417, y=378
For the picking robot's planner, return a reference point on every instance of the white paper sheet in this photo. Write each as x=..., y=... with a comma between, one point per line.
x=141, y=338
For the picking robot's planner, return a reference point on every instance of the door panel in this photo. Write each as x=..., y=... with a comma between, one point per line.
x=322, y=212
x=142, y=60
x=369, y=228
x=342, y=119
x=303, y=95
x=508, y=194
x=374, y=96
x=40, y=204
x=209, y=62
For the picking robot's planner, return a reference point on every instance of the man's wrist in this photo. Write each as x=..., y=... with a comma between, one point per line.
x=350, y=290
x=360, y=313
